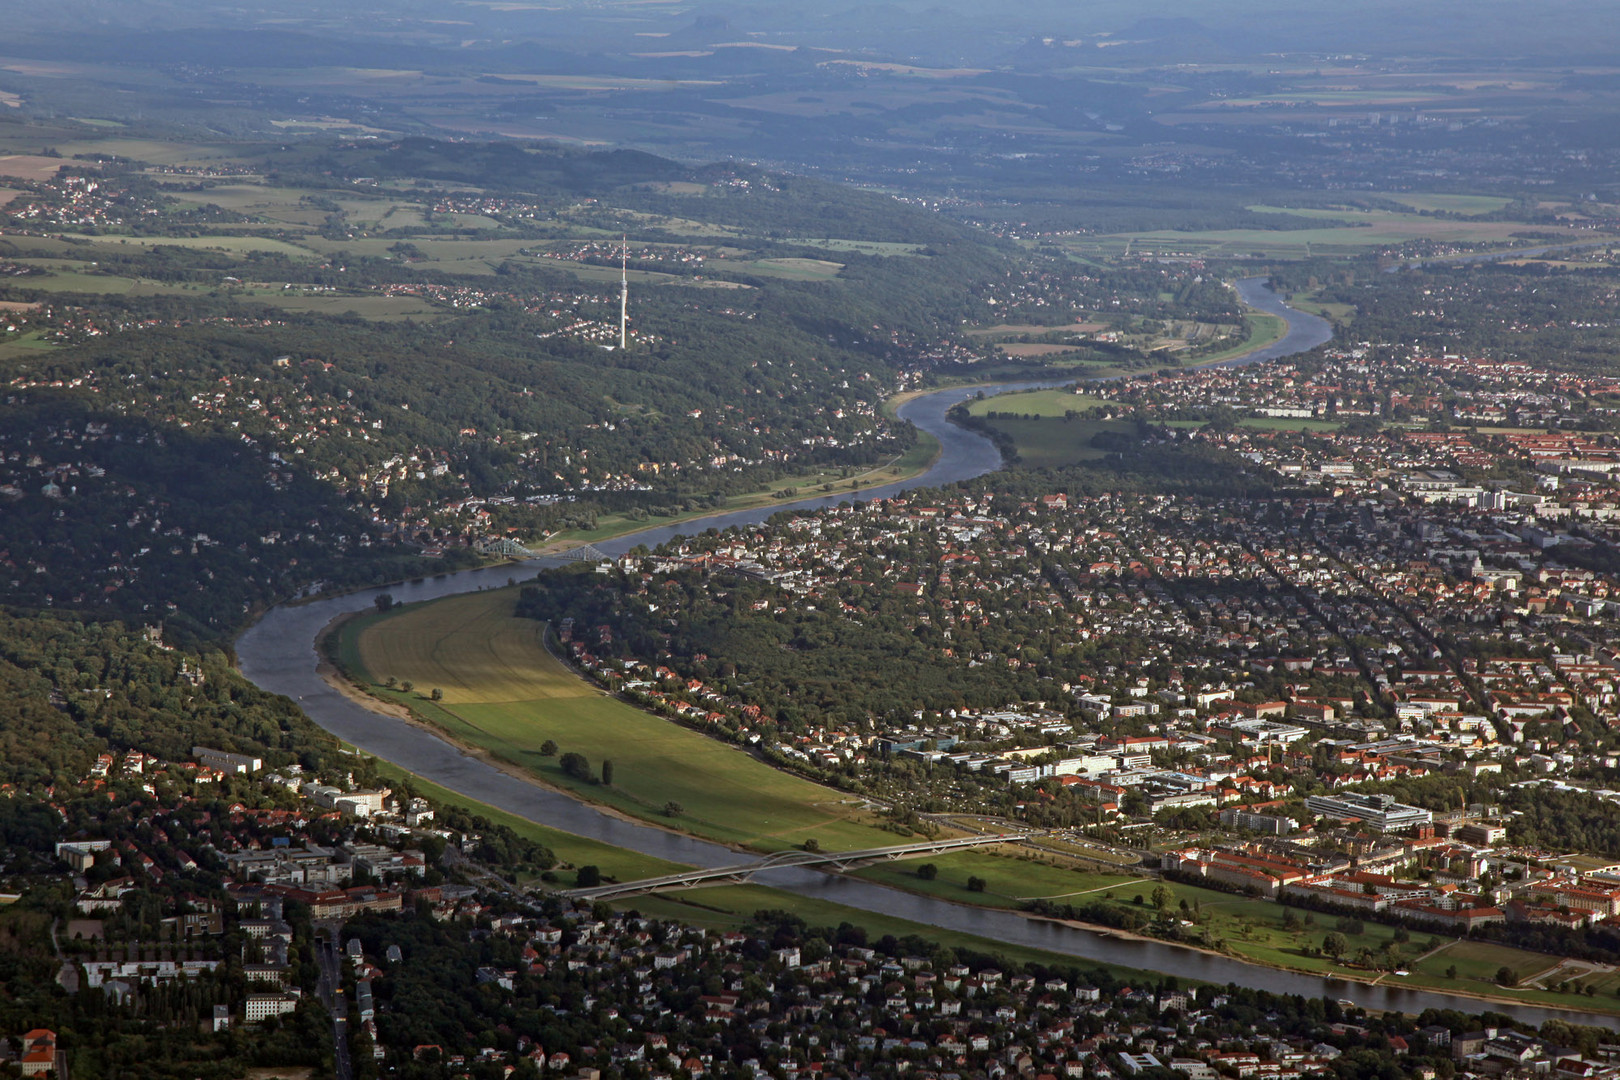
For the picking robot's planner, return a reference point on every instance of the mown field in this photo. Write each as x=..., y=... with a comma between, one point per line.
x=503, y=692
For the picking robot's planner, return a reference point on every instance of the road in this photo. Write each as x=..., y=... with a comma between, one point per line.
x=330, y=991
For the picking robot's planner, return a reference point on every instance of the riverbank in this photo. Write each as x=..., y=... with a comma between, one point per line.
x=898, y=470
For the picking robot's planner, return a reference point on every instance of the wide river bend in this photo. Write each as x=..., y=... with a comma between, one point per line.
x=279, y=654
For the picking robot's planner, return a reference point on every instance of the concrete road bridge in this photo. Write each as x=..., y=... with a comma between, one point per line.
x=829, y=860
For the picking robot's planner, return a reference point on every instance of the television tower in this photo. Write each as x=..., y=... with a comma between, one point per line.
x=624, y=293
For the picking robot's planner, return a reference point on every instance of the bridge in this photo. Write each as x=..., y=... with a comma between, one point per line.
x=585, y=553
x=834, y=860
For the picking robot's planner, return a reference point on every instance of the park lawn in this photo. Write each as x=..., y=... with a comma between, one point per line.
x=1057, y=442
x=505, y=693
x=1042, y=403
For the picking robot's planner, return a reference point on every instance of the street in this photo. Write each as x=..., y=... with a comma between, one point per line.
x=330, y=991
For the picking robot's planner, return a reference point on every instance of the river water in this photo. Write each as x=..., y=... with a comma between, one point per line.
x=278, y=653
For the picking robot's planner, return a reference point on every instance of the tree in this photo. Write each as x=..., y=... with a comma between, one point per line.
x=607, y=771
x=588, y=877
x=1162, y=898
x=1451, y=971
x=384, y=601
x=1506, y=976
x=407, y=686
x=1333, y=944
x=975, y=884
x=437, y=695
x=576, y=766
x=548, y=748
x=812, y=845
x=928, y=871
x=673, y=809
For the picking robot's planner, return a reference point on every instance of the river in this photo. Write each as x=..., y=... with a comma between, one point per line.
x=278, y=653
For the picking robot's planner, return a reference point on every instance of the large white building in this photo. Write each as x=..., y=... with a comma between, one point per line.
x=1380, y=811
x=263, y=1006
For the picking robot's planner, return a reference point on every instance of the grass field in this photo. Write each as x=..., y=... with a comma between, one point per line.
x=101, y=284
x=505, y=693
x=23, y=344
x=1343, y=232
x=1455, y=204
x=864, y=247
x=797, y=269
x=236, y=245
x=1343, y=314
x=1009, y=881
x=1053, y=443
x=1250, y=928
x=1263, y=330
x=1008, y=329
x=1043, y=403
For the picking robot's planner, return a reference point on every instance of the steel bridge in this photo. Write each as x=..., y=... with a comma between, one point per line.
x=585, y=553
x=832, y=860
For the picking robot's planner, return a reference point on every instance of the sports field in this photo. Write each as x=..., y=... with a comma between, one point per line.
x=503, y=692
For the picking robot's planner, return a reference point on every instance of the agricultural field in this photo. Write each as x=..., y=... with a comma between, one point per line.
x=798, y=269
x=1042, y=403
x=1347, y=231
x=863, y=247
x=505, y=694
x=1451, y=204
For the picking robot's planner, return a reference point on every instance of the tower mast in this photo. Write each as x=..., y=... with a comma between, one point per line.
x=624, y=293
